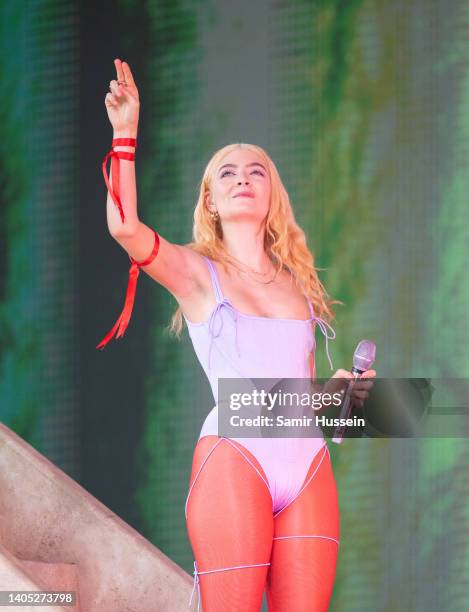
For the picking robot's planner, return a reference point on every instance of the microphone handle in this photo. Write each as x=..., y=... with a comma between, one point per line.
x=346, y=406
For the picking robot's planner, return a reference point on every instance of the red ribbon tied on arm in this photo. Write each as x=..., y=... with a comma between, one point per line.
x=115, y=168
x=122, y=322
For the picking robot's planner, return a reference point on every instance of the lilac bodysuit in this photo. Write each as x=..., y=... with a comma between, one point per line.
x=230, y=344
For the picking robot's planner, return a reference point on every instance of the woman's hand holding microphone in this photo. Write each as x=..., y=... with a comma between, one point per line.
x=361, y=385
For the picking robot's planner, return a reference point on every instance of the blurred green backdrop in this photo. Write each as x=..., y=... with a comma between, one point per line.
x=362, y=106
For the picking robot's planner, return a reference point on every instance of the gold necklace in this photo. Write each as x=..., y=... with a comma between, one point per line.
x=249, y=268
x=254, y=272
x=255, y=279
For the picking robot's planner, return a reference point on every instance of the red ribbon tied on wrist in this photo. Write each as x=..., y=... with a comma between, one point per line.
x=122, y=322
x=115, y=168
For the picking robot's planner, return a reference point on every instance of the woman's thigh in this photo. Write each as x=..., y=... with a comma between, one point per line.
x=230, y=524
x=302, y=571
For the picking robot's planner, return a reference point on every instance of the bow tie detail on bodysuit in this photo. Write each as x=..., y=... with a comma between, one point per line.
x=322, y=326
x=217, y=315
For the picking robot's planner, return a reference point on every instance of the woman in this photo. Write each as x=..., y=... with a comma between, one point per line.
x=261, y=512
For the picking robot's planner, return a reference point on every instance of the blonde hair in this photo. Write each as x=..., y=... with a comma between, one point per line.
x=284, y=240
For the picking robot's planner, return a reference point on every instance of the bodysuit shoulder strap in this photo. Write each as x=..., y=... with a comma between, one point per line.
x=215, y=282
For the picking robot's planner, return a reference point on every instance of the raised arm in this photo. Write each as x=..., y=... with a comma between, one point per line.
x=177, y=267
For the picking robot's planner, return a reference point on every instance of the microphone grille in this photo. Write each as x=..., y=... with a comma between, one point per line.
x=364, y=355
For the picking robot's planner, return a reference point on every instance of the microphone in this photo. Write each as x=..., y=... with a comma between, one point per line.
x=363, y=359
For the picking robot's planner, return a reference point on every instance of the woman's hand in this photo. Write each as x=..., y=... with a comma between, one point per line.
x=122, y=103
x=360, y=388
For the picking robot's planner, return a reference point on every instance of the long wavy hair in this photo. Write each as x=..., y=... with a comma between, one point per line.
x=284, y=240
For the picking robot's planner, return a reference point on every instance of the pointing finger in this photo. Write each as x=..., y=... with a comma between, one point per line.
x=127, y=73
x=119, y=71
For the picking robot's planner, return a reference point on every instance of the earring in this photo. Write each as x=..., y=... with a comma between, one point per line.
x=214, y=215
